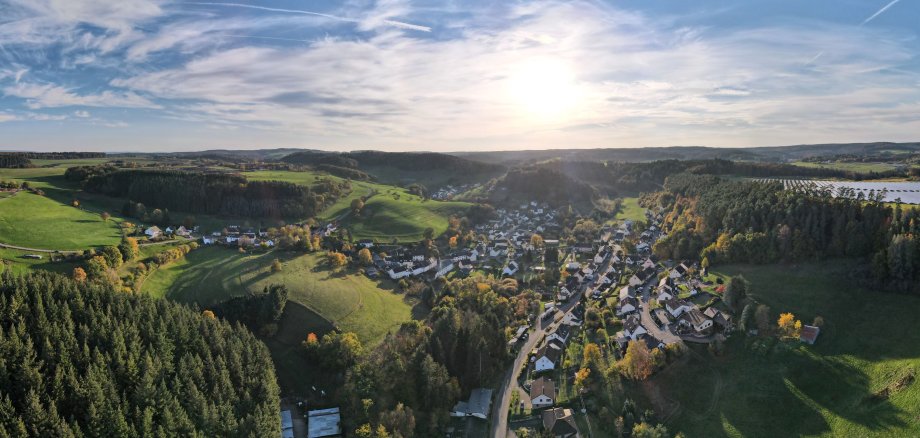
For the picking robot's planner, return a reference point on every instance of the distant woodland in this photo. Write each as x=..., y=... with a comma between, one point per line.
x=213, y=193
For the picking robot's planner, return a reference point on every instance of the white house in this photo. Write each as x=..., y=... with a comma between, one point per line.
x=648, y=263
x=632, y=328
x=696, y=320
x=665, y=294
x=181, y=231
x=561, y=334
x=511, y=269
x=542, y=393
x=418, y=270
x=207, y=240
x=676, y=307
x=153, y=232
x=547, y=356
x=398, y=272
x=627, y=291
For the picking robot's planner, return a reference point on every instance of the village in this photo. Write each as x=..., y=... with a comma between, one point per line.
x=615, y=277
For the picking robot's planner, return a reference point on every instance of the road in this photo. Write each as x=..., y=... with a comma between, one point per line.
x=22, y=248
x=509, y=383
x=663, y=334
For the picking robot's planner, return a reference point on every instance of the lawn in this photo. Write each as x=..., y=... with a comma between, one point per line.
x=11, y=260
x=870, y=342
x=350, y=302
x=34, y=221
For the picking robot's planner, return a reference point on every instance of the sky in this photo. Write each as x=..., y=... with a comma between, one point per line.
x=160, y=75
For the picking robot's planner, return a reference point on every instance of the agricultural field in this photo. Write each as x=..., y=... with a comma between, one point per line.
x=390, y=212
x=853, y=167
x=907, y=192
x=857, y=380
x=34, y=221
x=12, y=260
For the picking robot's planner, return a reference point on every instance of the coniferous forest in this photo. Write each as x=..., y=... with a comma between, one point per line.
x=78, y=359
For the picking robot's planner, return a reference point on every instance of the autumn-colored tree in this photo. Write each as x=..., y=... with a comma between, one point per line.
x=536, y=240
x=208, y=314
x=276, y=265
x=105, y=216
x=96, y=267
x=786, y=324
x=581, y=378
x=357, y=204
x=312, y=339
x=79, y=274
x=365, y=257
x=75, y=203
x=452, y=242
x=592, y=357
x=336, y=260
x=637, y=363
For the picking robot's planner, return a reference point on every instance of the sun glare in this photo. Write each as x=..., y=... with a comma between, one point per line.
x=544, y=89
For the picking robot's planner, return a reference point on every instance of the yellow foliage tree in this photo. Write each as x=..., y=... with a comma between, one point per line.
x=336, y=260
x=208, y=314
x=452, y=242
x=788, y=325
x=581, y=377
x=365, y=257
x=637, y=363
x=592, y=356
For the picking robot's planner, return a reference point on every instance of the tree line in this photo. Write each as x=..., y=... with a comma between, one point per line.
x=24, y=159
x=80, y=359
x=214, y=193
x=721, y=220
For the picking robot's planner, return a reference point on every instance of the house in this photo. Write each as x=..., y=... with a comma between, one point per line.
x=696, y=320
x=206, y=240
x=719, y=317
x=626, y=292
x=399, y=271
x=511, y=269
x=648, y=264
x=809, y=334
x=561, y=334
x=153, y=232
x=628, y=305
x=665, y=294
x=547, y=356
x=642, y=247
x=324, y=423
x=632, y=327
x=560, y=423
x=168, y=230
x=542, y=393
x=650, y=341
x=676, y=307
x=479, y=405
x=182, y=231
x=366, y=243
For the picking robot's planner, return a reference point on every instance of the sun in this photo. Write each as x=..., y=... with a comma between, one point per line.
x=544, y=89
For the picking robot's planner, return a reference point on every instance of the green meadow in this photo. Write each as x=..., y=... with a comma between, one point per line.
x=34, y=221
x=857, y=380
x=390, y=212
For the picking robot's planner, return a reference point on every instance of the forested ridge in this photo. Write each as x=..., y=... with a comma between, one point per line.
x=756, y=222
x=78, y=359
x=213, y=193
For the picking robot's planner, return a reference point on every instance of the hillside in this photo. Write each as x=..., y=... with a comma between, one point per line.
x=857, y=380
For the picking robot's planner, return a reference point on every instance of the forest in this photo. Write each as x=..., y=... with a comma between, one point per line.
x=722, y=221
x=79, y=359
x=213, y=193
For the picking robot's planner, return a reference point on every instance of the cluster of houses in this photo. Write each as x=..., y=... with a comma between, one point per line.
x=233, y=235
x=448, y=192
x=156, y=232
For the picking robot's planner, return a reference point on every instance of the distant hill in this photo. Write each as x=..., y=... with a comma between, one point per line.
x=402, y=168
x=540, y=184
x=766, y=153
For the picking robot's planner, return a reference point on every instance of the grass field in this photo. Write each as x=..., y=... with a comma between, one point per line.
x=870, y=342
x=631, y=210
x=350, y=302
x=11, y=260
x=35, y=221
x=855, y=167
x=390, y=212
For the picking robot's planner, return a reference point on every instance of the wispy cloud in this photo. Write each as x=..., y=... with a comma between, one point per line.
x=399, y=24
x=39, y=96
x=880, y=11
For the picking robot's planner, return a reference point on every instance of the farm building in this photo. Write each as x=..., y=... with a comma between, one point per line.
x=324, y=423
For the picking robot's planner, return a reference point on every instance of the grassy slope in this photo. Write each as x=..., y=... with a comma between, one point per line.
x=631, y=210
x=36, y=221
x=351, y=302
x=869, y=340
x=391, y=212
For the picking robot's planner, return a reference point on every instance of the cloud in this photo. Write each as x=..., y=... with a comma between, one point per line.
x=81, y=114
x=366, y=24
x=880, y=11
x=51, y=96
